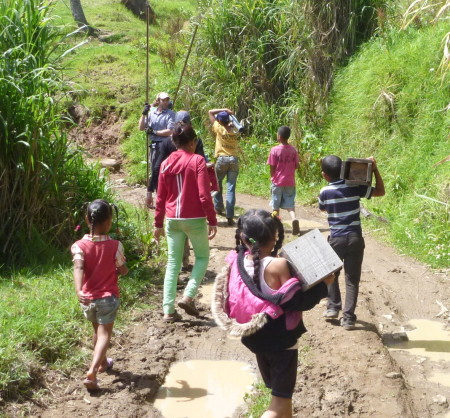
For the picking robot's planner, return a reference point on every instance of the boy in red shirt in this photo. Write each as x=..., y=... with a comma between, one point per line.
x=283, y=161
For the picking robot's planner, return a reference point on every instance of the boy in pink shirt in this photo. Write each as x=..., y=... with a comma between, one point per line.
x=283, y=161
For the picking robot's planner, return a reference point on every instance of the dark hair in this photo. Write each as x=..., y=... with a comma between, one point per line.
x=284, y=132
x=99, y=211
x=183, y=134
x=255, y=229
x=331, y=166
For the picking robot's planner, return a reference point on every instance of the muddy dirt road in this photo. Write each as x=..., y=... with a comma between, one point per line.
x=341, y=373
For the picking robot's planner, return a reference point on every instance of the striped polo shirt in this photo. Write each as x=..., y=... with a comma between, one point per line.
x=341, y=202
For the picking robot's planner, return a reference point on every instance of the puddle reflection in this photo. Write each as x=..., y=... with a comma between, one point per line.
x=204, y=388
x=428, y=339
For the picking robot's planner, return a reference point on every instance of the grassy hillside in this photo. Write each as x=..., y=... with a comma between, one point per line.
x=390, y=102
x=108, y=72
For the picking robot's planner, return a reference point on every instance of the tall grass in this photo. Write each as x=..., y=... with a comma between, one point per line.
x=42, y=180
x=253, y=51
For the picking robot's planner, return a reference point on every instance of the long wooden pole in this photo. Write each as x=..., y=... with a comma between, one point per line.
x=185, y=64
x=146, y=92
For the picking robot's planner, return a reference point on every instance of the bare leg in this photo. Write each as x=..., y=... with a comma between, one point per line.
x=104, y=363
x=279, y=408
x=291, y=213
x=295, y=223
x=102, y=336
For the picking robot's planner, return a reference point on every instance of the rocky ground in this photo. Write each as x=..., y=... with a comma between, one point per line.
x=341, y=373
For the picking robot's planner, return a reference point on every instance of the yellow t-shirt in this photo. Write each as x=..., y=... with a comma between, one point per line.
x=226, y=142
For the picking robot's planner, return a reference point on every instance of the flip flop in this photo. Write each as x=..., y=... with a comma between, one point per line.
x=91, y=384
x=109, y=365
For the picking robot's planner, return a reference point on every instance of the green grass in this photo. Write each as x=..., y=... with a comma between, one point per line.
x=41, y=324
x=109, y=71
x=257, y=401
x=395, y=93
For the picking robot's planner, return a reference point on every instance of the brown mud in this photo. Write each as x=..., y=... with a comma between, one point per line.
x=341, y=373
x=99, y=137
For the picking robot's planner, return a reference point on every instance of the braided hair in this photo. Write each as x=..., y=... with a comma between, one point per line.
x=99, y=211
x=255, y=229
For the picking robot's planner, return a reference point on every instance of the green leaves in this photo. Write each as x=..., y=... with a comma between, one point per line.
x=35, y=159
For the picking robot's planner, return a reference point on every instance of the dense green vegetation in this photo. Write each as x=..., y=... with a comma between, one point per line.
x=390, y=102
x=43, y=180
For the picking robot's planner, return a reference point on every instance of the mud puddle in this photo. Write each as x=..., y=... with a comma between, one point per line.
x=423, y=338
x=204, y=388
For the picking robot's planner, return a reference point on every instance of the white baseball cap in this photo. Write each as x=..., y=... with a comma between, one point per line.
x=163, y=95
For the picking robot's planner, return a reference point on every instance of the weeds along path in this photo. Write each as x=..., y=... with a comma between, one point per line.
x=341, y=373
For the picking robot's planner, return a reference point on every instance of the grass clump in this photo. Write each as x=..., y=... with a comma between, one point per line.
x=257, y=401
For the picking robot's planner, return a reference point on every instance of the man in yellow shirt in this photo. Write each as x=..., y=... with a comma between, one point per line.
x=227, y=164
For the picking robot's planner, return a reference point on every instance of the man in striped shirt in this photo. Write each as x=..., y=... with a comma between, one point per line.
x=341, y=202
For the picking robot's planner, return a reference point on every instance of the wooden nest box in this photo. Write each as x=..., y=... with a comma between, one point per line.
x=357, y=171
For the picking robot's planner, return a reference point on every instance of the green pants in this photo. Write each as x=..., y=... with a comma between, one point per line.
x=176, y=232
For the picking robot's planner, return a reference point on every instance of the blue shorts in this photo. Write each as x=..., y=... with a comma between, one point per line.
x=102, y=311
x=283, y=197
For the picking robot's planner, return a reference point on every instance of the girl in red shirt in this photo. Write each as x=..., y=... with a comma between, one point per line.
x=98, y=260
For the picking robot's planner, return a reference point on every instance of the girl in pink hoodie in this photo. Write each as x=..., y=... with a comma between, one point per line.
x=184, y=199
x=259, y=298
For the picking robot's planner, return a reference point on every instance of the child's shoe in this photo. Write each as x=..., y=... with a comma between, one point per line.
x=295, y=227
x=189, y=307
x=173, y=317
x=330, y=314
x=91, y=384
x=348, y=324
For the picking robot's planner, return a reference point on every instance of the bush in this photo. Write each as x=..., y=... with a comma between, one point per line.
x=43, y=179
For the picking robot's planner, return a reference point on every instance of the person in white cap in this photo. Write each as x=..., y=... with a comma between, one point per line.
x=159, y=124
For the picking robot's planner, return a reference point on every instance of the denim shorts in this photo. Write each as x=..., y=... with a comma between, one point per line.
x=282, y=197
x=102, y=311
